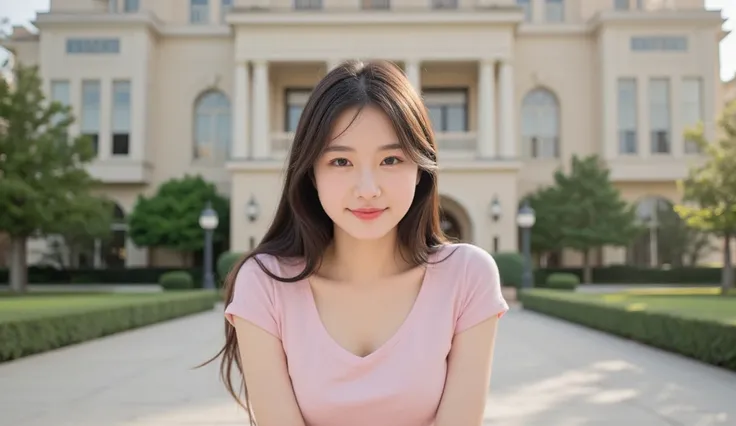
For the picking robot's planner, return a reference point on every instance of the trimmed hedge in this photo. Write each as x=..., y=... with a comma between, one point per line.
x=226, y=262
x=510, y=267
x=47, y=275
x=26, y=336
x=176, y=280
x=562, y=281
x=624, y=274
x=708, y=341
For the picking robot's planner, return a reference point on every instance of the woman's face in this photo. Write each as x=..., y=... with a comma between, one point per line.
x=364, y=180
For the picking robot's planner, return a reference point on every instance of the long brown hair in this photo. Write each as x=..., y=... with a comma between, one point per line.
x=301, y=228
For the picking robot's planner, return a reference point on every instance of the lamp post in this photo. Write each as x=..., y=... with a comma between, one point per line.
x=208, y=220
x=495, y=209
x=525, y=219
x=252, y=210
x=495, y=212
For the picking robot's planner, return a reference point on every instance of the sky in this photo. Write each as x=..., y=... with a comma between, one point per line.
x=21, y=12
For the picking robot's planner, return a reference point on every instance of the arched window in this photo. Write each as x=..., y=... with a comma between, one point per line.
x=212, y=127
x=540, y=124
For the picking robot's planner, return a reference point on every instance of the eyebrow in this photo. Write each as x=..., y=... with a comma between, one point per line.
x=343, y=148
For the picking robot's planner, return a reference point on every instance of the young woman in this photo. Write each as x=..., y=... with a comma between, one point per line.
x=354, y=309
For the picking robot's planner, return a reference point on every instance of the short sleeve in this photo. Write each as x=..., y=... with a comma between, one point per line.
x=254, y=298
x=480, y=294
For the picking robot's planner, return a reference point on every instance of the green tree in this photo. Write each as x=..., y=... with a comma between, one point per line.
x=591, y=212
x=546, y=236
x=677, y=242
x=90, y=219
x=709, y=190
x=42, y=169
x=170, y=218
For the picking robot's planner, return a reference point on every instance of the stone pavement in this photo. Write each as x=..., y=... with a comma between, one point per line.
x=546, y=373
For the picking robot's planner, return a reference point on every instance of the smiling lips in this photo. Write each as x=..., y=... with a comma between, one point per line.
x=367, y=214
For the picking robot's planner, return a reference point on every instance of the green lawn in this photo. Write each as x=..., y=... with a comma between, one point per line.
x=702, y=303
x=35, y=305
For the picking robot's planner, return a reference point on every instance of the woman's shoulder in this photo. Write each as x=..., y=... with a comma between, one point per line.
x=465, y=255
x=283, y=267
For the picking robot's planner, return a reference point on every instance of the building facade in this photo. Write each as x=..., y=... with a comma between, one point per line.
x=514, y=88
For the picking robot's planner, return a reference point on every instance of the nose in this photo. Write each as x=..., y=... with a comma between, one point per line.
x=367, y=186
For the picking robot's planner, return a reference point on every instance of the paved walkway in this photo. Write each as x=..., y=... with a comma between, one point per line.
x=547, y=373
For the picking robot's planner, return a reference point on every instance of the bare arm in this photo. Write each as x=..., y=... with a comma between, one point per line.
x=468, y=376
x=264, y=367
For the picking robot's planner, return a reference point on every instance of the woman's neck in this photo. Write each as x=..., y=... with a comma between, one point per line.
x=352, y=260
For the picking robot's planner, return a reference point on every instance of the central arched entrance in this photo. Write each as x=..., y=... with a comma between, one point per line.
x=455, y=221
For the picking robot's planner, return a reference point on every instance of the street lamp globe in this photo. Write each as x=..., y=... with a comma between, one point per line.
x=525, y=218
x=252, y=209
x=495, y=209
x=208, y=219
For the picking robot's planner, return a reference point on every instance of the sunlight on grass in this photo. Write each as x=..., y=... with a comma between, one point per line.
x=614, y=298
x=636, y=307
x=674, y=291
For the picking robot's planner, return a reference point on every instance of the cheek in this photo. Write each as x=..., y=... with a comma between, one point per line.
x=330, y=189
x=401, y=185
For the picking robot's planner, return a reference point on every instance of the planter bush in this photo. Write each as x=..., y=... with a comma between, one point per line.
x=562, y=281
x=176, y=280
x=510, y=267
x=226, y=262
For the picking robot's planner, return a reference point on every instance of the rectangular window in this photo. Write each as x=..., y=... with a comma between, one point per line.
x=555, y=10
x=526, y=5
x=199, y=11
x=659, y=115
x=659, y=44
x=448, y=109
x=444, y=4
x=131, y=6
x=621, y=4
x=90, y=120
x=307, y=4
x=225, y=9
x=376, y=4
x=692, y=108
x=60, y=93
x=296, y=99
x=120, y=117
x=93, y=46
x=627, y=116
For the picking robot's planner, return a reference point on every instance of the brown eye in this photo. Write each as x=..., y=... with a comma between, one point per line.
x=391, y=161
x=340, y=162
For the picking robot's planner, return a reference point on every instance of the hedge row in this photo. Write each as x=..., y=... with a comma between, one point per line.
x=510, y=265
x=47, y=275
x=708, y=341
x=26, y=336
x=623, y=274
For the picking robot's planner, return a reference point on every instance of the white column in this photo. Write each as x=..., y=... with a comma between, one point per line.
x=239, y=148
x=413, y=73
x=261, y=140
x=507, y=116
x=677, y=138
x=104, y=137
x=643, y=136
x=140, y=105
x=486, y=109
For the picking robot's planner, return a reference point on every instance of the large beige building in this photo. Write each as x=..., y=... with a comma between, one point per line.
x=513, y=87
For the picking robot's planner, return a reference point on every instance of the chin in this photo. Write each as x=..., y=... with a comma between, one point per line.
x=366, y=231
x=367, y=235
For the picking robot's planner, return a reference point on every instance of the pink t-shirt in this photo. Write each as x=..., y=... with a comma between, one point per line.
x=401, y=383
